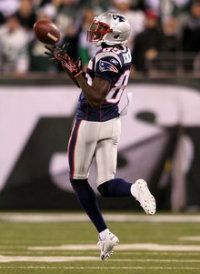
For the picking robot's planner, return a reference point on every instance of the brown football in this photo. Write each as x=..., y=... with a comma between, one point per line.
x=46, y=31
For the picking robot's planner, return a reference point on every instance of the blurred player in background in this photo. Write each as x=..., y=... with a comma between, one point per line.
x=97, y=126
x=13, y=47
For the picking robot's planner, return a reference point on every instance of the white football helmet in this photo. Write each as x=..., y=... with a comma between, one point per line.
x=110, y=28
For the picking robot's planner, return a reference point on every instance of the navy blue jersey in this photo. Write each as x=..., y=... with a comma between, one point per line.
x=112, y=64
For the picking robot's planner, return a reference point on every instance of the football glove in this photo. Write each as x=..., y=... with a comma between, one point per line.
x=60, y=56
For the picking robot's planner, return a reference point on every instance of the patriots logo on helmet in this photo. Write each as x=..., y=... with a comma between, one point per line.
x=119, y=17
x=106, y=66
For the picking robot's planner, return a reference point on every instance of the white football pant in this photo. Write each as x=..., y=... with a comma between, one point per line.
x=94, y=140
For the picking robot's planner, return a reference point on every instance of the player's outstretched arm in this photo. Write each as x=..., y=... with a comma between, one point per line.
x=96, y=93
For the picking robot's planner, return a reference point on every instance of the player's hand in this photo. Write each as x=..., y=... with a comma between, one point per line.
x=59, y=55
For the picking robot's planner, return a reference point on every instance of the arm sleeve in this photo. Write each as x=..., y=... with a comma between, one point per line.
x=108, y=68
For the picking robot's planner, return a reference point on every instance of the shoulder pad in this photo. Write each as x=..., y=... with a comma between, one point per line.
x=112, y=57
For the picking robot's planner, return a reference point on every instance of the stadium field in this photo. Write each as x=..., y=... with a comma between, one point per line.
x=58, y=243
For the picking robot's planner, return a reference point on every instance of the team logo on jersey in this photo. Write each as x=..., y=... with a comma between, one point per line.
x=106, y=66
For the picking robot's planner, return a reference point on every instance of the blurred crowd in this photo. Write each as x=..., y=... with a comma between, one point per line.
x=164, y=34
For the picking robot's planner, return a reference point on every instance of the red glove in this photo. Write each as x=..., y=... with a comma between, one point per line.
x=59, y=55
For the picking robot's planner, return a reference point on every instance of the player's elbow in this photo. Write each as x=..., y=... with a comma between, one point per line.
x=96, y=102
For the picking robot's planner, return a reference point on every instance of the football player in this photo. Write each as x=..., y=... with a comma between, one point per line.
x=96, y=131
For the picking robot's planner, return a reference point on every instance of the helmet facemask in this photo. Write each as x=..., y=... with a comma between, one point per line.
x=97, y=31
